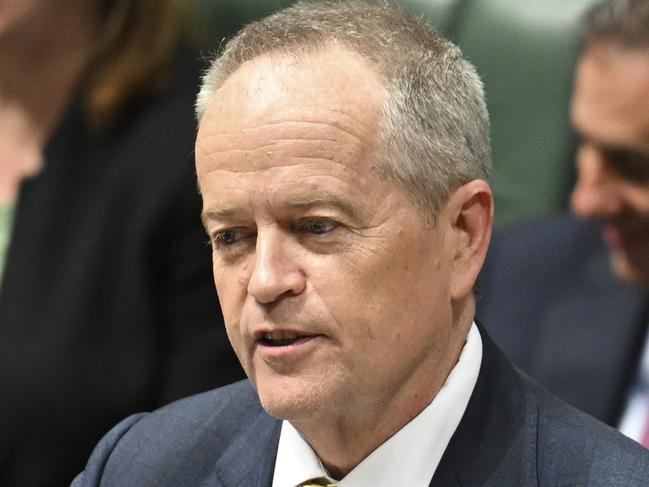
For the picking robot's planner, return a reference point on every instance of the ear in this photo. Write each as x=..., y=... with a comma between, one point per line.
x=471, y=209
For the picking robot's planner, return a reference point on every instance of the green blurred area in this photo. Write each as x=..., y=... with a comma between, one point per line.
x=525, y=52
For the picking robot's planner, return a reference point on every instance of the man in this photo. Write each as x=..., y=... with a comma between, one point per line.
x=568, y=299
x=342, y=156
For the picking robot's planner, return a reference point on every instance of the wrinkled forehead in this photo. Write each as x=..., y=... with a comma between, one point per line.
x=326, y=91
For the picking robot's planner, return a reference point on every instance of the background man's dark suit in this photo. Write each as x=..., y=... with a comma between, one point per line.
x=550, y=300
x=513, y=433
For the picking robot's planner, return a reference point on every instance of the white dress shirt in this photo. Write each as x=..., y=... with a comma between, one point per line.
x=408, y=458
x=635, y=420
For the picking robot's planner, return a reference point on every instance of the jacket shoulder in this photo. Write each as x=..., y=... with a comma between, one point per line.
x=531, y=269
x=574, y=445
x=185, y=438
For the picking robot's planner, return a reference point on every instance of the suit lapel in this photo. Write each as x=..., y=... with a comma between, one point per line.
x=495, y=443
x=602, y=322
x=250, y=460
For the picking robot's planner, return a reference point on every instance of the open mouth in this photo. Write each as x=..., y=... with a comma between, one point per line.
x=282, y=338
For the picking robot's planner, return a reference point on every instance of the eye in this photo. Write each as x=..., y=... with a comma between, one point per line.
x=231, y=243
x=630, y=165
x=227, y=239
x=319, y=226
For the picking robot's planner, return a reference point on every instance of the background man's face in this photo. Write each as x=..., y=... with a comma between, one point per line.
x=611, y=112
x=335, y=293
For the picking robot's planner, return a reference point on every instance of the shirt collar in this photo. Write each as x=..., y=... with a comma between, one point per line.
x=412, y=455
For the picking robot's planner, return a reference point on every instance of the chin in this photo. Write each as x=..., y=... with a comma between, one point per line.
x=289, y=406
x=290, y=398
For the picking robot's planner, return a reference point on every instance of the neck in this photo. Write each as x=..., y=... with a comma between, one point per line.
x=343, y=443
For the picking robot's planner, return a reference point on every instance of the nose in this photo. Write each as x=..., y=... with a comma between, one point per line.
x=275, y=272
x=596, y=193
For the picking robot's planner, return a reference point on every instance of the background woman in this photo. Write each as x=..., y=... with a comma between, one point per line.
x=107, y=305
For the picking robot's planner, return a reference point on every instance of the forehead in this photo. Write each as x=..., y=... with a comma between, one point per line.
x=611, y=97
x=330, y=98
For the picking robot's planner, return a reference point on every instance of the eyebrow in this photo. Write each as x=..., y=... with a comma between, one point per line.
x=304, y=202
x=320, y=200
x=219, y=213
x=608, y=146
x=614, y=148
x=627, y=152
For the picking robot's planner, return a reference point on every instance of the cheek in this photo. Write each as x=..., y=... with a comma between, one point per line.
x=231, y=288
x=343, y=293
x=368, y=293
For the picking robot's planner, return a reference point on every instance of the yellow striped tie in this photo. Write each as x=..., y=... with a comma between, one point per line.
x=317, y=483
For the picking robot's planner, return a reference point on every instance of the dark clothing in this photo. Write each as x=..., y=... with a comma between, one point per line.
x=551, y=301
x=107, y=306
x=513, y=433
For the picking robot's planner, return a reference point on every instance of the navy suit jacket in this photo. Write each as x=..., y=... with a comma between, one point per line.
x=513, y=433
x=551, y=301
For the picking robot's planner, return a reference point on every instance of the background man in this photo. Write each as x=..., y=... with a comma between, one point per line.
x=567, y=299
x=342, y=156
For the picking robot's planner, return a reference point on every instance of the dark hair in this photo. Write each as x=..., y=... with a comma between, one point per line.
x=624, y=22
x=131, y=56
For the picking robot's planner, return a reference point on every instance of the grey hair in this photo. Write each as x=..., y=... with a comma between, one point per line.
x=434, y=132
x=624, y=22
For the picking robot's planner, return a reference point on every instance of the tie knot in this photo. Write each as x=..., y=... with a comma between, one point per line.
x=317, y=483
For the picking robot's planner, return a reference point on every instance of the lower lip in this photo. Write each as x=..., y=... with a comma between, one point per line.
x=299, y=346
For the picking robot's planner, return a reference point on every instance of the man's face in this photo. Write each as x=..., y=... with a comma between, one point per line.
x=335, y=292
x=611, y=112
